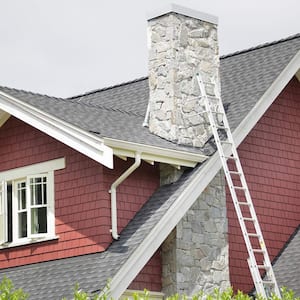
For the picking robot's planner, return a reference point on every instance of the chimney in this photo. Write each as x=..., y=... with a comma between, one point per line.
x=182, y=43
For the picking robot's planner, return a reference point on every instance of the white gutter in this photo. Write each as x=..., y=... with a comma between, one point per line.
x=113, y=196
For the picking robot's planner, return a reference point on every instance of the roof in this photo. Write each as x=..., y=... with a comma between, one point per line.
x=287, y=265
x=251, y=80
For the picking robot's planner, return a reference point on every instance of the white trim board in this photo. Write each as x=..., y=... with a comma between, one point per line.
x=153, y=153
x=160, y=232
x=38, y=168
x=66, y=133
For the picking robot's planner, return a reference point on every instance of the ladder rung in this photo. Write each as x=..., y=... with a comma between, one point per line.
x=230, y=157
x=253, y=235
x=244, y=203
x=268, y=282
x=263, y=267
x=226, y=142
x=239, y=188
x=258, y=250
x=249, y=219
x=235, y=173
x=221, y=127
x=217, y=112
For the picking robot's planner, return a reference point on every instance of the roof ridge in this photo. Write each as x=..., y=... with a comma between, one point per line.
x=29, y=92
x=108, y=87
x=291, y=37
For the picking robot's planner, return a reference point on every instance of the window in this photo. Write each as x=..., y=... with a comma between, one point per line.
x=27, y=203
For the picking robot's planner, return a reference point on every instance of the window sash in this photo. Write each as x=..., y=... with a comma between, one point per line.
x=38, y=210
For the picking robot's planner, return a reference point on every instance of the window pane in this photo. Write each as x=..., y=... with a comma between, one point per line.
x=21, y=195
x=38, y=190
x=22, y=224
x=38, y=220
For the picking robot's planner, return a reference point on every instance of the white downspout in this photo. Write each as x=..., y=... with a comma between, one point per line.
x=113, y=195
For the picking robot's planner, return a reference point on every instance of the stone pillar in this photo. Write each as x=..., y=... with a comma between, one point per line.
x=182, y=43
x=195, y=255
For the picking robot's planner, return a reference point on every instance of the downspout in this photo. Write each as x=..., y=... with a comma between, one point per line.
x=113, y=194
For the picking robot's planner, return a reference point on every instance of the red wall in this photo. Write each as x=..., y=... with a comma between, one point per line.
x=270, y=155
x=82, y=200
x=150, y=276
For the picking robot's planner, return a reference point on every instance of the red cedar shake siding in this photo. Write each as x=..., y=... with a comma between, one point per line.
x=150, y=275
x=270, y=157
x=82, y=199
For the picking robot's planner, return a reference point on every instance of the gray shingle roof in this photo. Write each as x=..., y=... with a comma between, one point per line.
x=287, y=265
x=117, y=112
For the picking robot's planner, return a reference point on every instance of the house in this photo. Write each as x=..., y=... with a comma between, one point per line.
x=89, y=194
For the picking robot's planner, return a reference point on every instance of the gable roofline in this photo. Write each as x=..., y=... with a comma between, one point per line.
x=193, y=190
x=78, y=139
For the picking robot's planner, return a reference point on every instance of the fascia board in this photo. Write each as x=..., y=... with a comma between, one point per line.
x=4, y=116
x=153, y=153
x=298, y=75
x=68, y=134
x=209, y=170
x=267, y=99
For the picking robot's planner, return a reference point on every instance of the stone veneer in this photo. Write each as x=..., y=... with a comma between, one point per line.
x=181, y=47
x=195, y=255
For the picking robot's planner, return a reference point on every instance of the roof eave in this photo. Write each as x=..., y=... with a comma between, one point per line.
x=76, y=138
x=151, y=154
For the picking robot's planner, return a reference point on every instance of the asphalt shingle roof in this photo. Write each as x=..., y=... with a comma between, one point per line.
x=118, y=112
x=287, y=265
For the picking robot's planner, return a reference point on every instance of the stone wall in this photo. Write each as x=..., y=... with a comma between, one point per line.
x=180, y=48
x=195, y=255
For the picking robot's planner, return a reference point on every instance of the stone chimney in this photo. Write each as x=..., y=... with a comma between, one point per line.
x=182, y=42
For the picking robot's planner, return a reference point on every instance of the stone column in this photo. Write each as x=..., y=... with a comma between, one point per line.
x=183, y=42
x=195, y=255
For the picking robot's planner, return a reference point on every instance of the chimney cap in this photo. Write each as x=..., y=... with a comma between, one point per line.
x=183, y=10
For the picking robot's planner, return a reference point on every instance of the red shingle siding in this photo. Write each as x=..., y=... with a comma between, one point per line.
x=150, y=276
x=270, y=157
x=82, y=199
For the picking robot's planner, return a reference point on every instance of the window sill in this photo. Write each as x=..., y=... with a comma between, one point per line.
x=28, y=242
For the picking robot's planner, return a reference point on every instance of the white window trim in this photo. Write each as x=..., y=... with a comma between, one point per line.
x=40, y=169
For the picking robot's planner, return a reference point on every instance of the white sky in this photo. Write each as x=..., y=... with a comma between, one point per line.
x=66, y=47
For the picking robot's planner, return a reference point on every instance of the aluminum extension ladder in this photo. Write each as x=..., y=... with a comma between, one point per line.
x=259, y=261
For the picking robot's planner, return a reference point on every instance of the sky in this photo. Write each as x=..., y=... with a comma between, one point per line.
x=67, y=47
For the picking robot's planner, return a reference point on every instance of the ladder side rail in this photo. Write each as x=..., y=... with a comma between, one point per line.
x=252, y=259
x=254, y=269
x=267, y=261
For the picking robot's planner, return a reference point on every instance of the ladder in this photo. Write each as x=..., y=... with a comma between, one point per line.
x=258, y=261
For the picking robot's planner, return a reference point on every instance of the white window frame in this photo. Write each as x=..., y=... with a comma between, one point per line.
x=24, y=174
